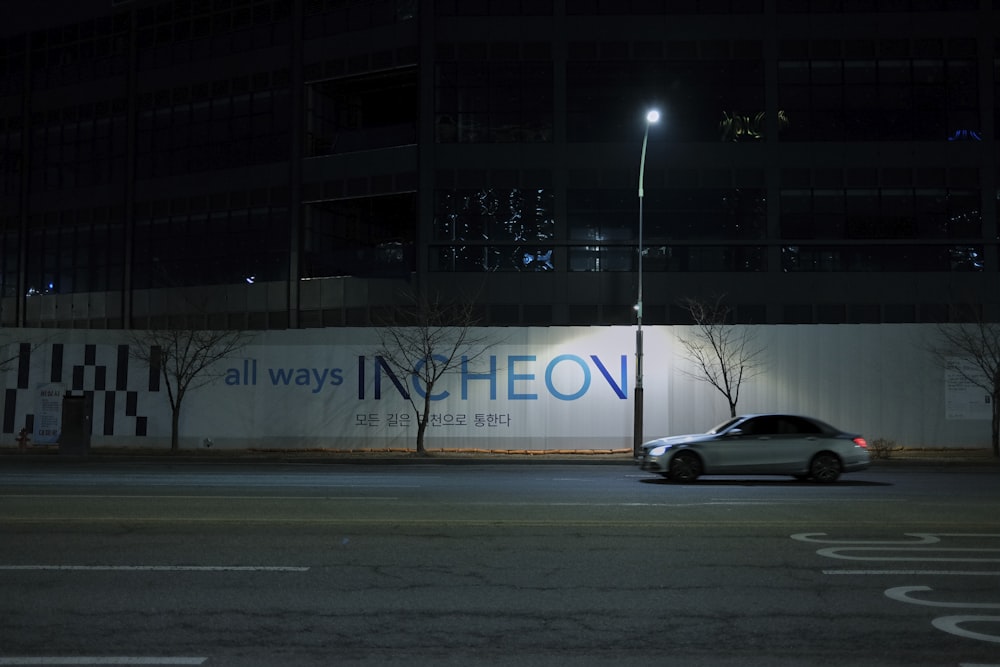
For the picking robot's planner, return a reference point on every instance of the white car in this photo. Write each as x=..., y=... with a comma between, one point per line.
x=768, y=444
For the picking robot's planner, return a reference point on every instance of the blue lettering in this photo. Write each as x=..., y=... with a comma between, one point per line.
x=280, y=376
x=551, y=368
x=381, y=365
x=513, y=377
x=491, y=377
x=619, y=389
x=519, y=368
x=232, y=377
x=320, y=379
x=416, y=378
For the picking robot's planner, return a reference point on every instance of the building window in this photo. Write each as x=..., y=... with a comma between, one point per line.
x=888, y=213
x=882, y=258
x=10, y=248
x=363, y=112
x=696, y=97
x=78, y=146
x=660, y=7
x=493, y=7
x=610, y=215
x=182, y=244
x=879, y=100
x=366, y=236
x=75, y=251
x=494, y=229
x=10, y=155
x=493, y=102
x=225, y=126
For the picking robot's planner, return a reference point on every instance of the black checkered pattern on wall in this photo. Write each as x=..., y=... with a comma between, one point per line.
x=99, y=372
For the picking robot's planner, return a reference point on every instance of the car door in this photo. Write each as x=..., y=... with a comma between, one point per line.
x=761, y=444
x=746, y=451
x=787, y=447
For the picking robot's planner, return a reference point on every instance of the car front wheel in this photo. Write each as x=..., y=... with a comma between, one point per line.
x=685, y=467
x=825, y=468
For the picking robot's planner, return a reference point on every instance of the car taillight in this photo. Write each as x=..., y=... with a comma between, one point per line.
x=861, y=442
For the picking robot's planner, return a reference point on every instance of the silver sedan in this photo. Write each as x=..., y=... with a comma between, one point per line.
x=767, y=444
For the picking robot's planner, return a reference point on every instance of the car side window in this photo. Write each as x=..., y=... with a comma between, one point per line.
x=798, y=425
x=760, y=426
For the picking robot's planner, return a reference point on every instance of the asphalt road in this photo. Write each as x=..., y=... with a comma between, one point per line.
x=508, y=564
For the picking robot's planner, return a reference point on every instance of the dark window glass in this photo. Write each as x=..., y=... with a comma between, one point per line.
x=363, y=112
x=366, y=236
x=221, y=132
x=889, y=213
x=213, y=247
x=501, y=229
x=602, y=215
x=879, y=100
x=882, y=258
x=493, y=102
x=76, y=251
x=496, y=214
x=696, y=99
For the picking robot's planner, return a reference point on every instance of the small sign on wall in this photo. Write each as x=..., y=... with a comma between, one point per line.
x=48, y=413
x=963, y=398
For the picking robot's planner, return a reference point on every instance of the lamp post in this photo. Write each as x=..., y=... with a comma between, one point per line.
x=651, y=117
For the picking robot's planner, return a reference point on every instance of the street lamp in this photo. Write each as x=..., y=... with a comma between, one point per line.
x=651, y=117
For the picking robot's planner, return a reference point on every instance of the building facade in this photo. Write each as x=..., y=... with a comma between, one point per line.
x=291, y=164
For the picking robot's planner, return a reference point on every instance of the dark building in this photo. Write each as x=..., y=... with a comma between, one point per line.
x=303, y=163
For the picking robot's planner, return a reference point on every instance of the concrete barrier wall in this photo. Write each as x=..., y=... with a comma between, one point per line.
x=535, y=388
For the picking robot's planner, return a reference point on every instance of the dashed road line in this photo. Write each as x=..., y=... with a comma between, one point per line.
x=99, y=660
x=153, y=568
x=920, y=573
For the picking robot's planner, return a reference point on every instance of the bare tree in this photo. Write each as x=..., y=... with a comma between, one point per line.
x=185, y=359
x=977, y=342
x=429, y=339
x=724, y=354
x=8, y=356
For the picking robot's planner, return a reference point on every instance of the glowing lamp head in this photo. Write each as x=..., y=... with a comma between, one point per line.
x=652, y=116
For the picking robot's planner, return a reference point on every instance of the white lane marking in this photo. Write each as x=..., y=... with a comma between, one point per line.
x=902, y=594
x=87, y=496
x=952, y=625
x=922, y=538
x=154, y=568
x=101, y=660
x=919, y=573
x=833, y=552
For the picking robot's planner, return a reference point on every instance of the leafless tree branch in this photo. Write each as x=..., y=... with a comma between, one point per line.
x=430, y=339
x=725, y=355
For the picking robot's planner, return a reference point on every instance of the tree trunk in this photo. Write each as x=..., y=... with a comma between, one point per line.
x=421, y=428
x=995, y=439
x=423, y=419
x=175, y=420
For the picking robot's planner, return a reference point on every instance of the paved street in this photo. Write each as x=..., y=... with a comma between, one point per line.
x=527, y=564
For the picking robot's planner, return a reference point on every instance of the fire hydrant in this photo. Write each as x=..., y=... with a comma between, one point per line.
x=23, y=439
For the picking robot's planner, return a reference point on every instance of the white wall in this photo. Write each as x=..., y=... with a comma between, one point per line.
x=308, y=388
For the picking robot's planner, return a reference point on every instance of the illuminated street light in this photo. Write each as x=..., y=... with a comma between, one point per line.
x=651, y=117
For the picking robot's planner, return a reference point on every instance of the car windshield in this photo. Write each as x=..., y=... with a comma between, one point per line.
x=724, y=425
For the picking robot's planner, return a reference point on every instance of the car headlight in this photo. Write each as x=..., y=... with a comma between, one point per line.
x=659, y=451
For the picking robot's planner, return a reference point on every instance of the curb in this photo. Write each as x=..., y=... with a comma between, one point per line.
x=980, y=460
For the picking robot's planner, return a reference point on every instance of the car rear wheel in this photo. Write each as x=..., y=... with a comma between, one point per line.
x=825, y=468
x=685, y=467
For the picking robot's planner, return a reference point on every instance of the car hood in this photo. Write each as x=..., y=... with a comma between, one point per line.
x=691, y=438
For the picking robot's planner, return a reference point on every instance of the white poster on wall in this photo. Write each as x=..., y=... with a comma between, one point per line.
x=964, y=399
x=48, y=413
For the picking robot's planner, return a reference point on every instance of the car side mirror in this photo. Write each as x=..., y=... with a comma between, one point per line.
x=734, y=432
